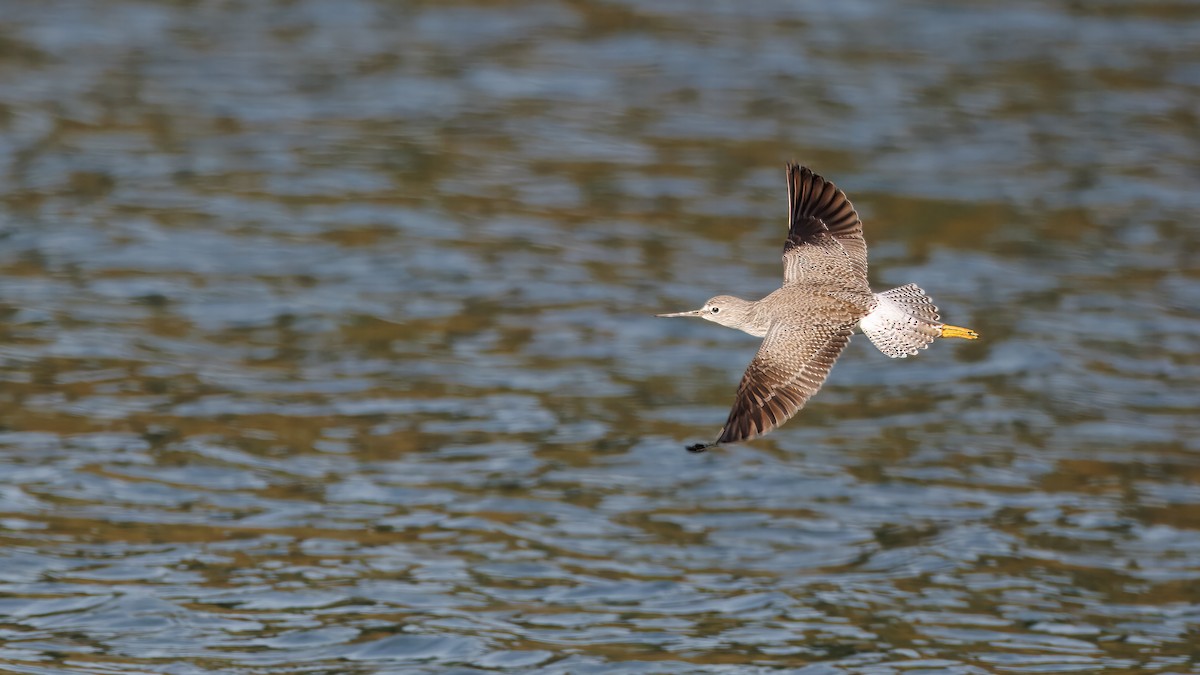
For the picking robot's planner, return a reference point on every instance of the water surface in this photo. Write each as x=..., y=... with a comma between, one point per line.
x=327, y=339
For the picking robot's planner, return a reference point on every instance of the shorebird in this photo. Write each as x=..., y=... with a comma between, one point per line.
x=807, y=322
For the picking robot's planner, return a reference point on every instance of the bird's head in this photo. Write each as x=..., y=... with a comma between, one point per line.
x=723, y=309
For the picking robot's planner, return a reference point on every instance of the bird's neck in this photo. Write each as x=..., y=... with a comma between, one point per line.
x=757, y=320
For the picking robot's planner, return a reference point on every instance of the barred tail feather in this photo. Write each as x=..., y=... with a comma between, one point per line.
x=903, y=322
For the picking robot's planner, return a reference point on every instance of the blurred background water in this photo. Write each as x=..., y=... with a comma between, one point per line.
x=327, y=339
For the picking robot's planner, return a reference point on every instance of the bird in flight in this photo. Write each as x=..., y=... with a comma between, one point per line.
x=807, y=322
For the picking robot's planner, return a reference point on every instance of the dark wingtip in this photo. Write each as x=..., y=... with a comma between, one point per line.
x=699, y=447
x=816, y=207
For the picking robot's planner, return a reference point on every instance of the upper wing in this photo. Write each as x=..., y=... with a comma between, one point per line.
x=789, y=368
x=824, y=232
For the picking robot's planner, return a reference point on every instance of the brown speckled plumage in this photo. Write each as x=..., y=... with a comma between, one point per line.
x=824, y=295
x=807, y=322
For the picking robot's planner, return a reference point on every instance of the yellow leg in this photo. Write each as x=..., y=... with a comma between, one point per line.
x=949, y=331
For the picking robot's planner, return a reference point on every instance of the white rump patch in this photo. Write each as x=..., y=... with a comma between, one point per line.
x=903, y=322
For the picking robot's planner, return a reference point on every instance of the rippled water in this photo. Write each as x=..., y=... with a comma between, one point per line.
x=328, y=341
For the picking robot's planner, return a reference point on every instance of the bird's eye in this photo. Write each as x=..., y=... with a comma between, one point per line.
x=715, y=310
